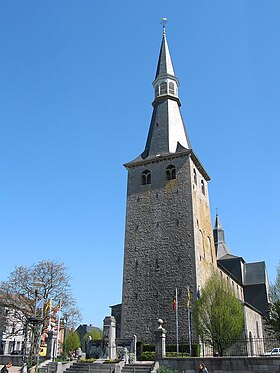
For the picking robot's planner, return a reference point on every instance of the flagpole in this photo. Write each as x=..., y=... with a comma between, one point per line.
x=50, y=314
x=177, y=328
x=189, y=328
x=58, y=331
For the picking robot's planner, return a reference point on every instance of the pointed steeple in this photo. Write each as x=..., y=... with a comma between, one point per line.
x=164, y=66
x=167, y=133
x=219, y=239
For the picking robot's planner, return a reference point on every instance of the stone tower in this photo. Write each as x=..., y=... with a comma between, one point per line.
x=168, y=237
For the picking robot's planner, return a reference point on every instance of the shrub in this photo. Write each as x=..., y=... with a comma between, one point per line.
x=87, y=360
x=148, y=356
x=109, y=361
x=174, y=354
x=164, y=369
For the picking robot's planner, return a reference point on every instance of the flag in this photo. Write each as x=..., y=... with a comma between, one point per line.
x=56, y=309
x=174, y=303
x=47, y=306
x=198, y=292
x=188, y=298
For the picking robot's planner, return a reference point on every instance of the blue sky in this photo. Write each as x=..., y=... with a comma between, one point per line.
x=75, y=104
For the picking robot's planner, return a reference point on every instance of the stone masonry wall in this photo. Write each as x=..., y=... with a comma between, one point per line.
x=253, y=330
x=228, y=365
x=159, y=250
x=205, y=252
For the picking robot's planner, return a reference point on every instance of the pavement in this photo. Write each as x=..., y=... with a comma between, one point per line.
x=13, y=369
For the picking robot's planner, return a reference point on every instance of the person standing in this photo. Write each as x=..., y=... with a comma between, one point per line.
x=6, y=367
x=202, y=368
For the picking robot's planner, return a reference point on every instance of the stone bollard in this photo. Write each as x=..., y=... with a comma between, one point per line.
x=109, y=338
x=160, y=340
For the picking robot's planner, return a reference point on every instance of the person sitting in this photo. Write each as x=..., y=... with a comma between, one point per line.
x=202, y=368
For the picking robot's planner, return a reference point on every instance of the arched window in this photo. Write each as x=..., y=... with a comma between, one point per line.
x=157, y=90
x=171, y=88
x=257, y=329
x=202, y=187
x=194, y=176
x=170, y=172
x=163, y=88
x=157, y=265
x=146, y=177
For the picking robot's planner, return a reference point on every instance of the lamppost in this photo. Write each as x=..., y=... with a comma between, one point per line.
x=36, y=325
x=65, y=318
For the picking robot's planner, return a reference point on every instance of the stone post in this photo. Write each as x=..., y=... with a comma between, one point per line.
x=50, y=344
x=109, y=338
x=134, y=348
x=88, y=345
x=160, y=340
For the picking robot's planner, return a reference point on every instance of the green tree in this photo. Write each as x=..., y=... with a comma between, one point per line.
x=275, y=307
x=218, y=315
x=72, y=341
x=274, y=288
x=96, y=334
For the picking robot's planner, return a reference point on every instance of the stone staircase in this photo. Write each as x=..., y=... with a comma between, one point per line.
x=90, y=368
x=144, y=367
x=140, y=367
x=97, y=367
x=50, y=367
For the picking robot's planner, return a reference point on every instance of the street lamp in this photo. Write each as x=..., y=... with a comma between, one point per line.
x=65, y=318
x=36, y=324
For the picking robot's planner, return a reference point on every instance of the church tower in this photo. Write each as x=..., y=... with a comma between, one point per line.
x=168, y=238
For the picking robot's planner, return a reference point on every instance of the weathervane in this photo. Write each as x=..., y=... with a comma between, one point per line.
x=163, y=22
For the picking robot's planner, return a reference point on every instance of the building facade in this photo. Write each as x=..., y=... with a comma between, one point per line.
x=169, y=242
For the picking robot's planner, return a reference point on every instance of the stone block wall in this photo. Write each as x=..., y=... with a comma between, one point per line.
x=228, y=365
x=159, y=249
x=206, y=261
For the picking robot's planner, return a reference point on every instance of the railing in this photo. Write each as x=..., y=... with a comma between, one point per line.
x=241, y=347
x=244, y=347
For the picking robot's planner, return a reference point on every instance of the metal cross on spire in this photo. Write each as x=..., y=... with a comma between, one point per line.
x=163, y=22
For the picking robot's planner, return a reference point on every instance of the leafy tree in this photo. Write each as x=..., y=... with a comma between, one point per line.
x=27, y=294
x=275, y=288
x=96, y=334
x=46, y=280
x=275, y=318
x=72, y=341
x=218, y=315
x=275, y=307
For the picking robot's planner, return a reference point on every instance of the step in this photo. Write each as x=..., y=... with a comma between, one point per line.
x=138, y=368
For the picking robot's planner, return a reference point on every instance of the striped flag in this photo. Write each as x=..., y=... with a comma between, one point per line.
x=188, y=298
x=174, y=302
x=56, y=309
x=47, y=306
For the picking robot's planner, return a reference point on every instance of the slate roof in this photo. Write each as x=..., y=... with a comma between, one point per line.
x=164, y=66
x=222, y=248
